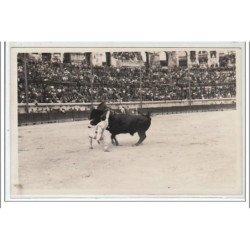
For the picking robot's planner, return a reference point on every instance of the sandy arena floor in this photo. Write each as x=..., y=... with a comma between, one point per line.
x=183, y=154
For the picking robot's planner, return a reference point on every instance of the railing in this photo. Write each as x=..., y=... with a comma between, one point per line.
x=57, y=112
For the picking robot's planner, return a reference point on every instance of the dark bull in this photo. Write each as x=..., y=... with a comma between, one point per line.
x=122, y=123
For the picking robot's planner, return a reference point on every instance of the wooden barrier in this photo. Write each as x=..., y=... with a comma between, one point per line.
x=54, y=112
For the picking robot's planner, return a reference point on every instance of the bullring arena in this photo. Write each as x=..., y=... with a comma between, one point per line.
x=183, y=154
x=193, y=146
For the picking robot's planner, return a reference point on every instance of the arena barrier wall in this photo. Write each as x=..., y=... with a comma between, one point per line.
x=58, y=112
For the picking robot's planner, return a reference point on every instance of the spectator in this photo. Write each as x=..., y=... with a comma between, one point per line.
x=57, y=82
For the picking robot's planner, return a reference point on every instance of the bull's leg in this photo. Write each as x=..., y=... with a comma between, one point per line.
x=114, y=140
x=142, y=136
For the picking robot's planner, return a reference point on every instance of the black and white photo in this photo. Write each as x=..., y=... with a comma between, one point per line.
x=126, y=122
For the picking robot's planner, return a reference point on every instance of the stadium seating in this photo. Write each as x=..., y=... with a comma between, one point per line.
x=54, y=82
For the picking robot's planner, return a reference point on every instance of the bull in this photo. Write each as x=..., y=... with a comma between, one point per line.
x=122, y=123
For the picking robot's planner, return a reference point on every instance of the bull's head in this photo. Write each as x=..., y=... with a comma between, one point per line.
x=98, y=113
x=95, y=116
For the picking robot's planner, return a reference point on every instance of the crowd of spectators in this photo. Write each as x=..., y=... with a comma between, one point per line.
x=56, y=82
x=127, y=56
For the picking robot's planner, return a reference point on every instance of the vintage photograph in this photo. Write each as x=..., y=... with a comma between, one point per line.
x=125, y=122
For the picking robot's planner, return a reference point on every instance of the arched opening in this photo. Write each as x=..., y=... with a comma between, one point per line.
x=108, y=59
x=147, y=59
x=203, y=57
x=88, y=58
x=163, y=58
x=193, y=55
x=46, y=56
x=167, y=58
x=183, y=60
x=66, y=57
